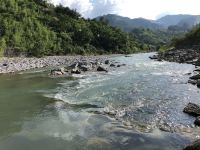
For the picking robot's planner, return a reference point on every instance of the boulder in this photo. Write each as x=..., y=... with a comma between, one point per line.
x=5, y=65
x=198, y=83
x=107, y=62
x=194, y=82
x=197, y=121
x=153, y=57
x=101, y=68
x=112, y=65
x=75, y=71
x=195, y=77
x=197, y=69
x=192, y=109
x=193, y=146
x=74, y=65
x=197, y=63
x=86, y=67
x=58, y=72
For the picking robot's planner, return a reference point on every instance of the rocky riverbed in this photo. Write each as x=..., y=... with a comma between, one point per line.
x=11, y=65
x=190, y=56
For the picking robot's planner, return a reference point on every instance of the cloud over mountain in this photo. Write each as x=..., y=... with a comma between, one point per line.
x=131, y=8
x=91, y=8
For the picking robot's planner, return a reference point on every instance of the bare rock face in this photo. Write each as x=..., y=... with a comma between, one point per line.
x=192, y=109
x=193, y=146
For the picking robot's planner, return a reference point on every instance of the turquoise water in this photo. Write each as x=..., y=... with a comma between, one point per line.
x=135, y=107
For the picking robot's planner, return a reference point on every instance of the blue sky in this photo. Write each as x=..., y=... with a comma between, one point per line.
x=150, y=9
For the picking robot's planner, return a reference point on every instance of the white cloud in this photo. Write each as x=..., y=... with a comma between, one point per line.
x=132, y=8
x=82, y=6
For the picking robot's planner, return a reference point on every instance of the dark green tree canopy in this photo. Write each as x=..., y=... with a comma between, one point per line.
x=38, y=28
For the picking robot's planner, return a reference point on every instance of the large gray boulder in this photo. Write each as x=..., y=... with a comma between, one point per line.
x=193, y=146
x=192, y=109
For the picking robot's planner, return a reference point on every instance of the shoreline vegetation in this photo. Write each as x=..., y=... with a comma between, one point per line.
x=37, y=28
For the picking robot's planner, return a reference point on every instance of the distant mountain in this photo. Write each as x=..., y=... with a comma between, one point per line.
x=127, y=24
x=184, y=22
x=179, y=20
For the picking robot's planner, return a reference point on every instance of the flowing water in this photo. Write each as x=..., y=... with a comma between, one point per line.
x=135, y=107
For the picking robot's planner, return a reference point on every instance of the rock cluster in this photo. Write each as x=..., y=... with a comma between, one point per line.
x=10, y=65
x=179, y=55
x=81, y=66
x=193, y=146
x=194, y=110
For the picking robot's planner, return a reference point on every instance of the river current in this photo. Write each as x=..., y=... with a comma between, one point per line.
x=134, y=107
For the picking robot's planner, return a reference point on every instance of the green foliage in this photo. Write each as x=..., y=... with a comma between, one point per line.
x=155, y=39
x=38, y=28
x=189, y=40
x=2, y=46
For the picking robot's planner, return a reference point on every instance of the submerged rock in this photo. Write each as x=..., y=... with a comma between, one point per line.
x=153, y=57
x=112, y=65
x=192, y=109
x=193, y=146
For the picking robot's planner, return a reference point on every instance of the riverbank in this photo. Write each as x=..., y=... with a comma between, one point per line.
x=189, y=56
x=17, y=64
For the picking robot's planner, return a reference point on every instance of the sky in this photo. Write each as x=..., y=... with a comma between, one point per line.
x=150, y=9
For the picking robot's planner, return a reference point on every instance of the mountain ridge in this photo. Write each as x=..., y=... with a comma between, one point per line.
x=127, y=24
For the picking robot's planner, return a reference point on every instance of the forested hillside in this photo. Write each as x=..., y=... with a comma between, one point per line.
x=38, y=28
x=190, y=40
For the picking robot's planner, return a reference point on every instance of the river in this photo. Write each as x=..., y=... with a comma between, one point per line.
x=135, y=107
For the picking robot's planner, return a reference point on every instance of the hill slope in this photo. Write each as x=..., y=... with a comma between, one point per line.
x=37, y=28
x=179, y=20
x=127, y=24
x=190, y=40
